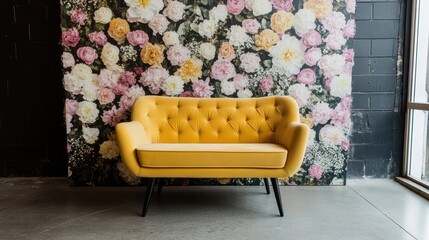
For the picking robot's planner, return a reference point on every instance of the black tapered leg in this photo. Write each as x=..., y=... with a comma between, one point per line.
x=267, y=185
x=275, y=183
x=149, y=190
x=160, y=185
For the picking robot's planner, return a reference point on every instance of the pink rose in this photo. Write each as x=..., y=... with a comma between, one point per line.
x=138, y=71
x=311, y=38
x=285, y=5
x=127, y=100
x=120, y=89
x=235, y=6
x=202, y=88
x=348, y=54
x=266, y=84
x=138, y=37
x=70, y=37
x=71, y=106
x=334, y=21
x=174, y=11
x=312, y=56
x=307, y=76
x=240, y=81
x=251, y=25
x=349, y=29
x=222, y=70
x=335, y=40
x=315, y=171
x=78, y=16
x=113, y=116
x=98, y=38
x=158, y=24
x=321, y=113
x=345, y=145
x=340, y=117
x=87, y=54
x=350, y=6
x=109, y=78
x=105, y=96
x=154, y=78
x=127, y=78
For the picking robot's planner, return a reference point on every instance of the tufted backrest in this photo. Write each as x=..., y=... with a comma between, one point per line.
x=213, y=120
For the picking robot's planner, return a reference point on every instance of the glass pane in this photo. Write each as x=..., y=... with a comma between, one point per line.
x=419, y=143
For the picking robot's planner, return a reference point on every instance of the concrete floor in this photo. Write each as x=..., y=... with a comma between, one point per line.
x=364, y=209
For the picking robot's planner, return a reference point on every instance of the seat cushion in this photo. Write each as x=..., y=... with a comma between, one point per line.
x=207, y=155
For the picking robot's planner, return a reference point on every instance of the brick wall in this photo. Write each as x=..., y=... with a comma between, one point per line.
x=32, y=134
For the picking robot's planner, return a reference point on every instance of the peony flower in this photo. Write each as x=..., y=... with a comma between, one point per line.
x=174, y=11
x=178, y=54
x=250, y=62
x=311, y=38
x=261, y=7
x=98, y=38
x=312, y=56
x=109, y=55
x=351, y=6
x=235, y=6
x=153, y=54
x=154, y=78
x=226, y=51
x=207, y=28
x=158, y=24
x=170, y=38
x=335, y=40
x=266, y=84
x=281, y=21
x=143, y=11
x=173, y=86
x=331, y=135
x=349, y=29
x=70, y=37
x=191, y=70
x=138, y=38
x=285, y=5
x=90, y=134
x=245, y=93
x=307, y=76
x=348, y=54
x=304, y=21
x=300, y=93
x=319, y=7
x=202, y=88
x=78, y=16
x=82, y=72
x=109, y=78
x=251, y=25
x=67, y=59
x=237, y=36
x=334, y=21
x=315, y=171
x=71, y=106
x=103, y=15
x=331, y=65
x=321, y=113
x=72, y=84
x=266, y=39
x=218, y=13
x=105, y=96
x=118, y=29
x=222, y=70
x=227, y=87
x=207, y=50
x=113, y=116
x=341, y=85
x=87, y=54
x=87, y=112
x=288, y=56
x=240, y=81
x=89, y=91
x=127, y=100
x=109, y=149
x=341, y=117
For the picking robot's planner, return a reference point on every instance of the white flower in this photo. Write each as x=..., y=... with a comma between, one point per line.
x=207, y=28
x=170, y=38
x=261, y=7
x=311, y=137
x=109, y=149
x=143, y=10
x=67, y=59
x=103, y=15
x=87, y=112
x=72, y=84
x=218, y=13
x=174, y=10
x=237, y=36
x=207, y=50
x=304, y=21
x=288, y=55
x=341, y=85
x=110, y=55
x=90, y=91
x=337, y=181
x=90, y=134
x=82, y=72
x=300, y=93
x=126, y=175
x=246, y=93
x=227, y=87
x=331, y=135
x=69, y=125
x=331, y=65
x=173, y=85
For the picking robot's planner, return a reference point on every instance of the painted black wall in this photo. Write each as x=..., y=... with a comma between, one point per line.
x=32, y=133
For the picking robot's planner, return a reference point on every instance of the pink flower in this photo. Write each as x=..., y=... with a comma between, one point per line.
x=348, y=54
x=98, y=38
x=249, y=4
x=350, y=6
x=113, y=116
x=87, y=54
x=154, y=78
x=69, y=124
x=311, y=38
x=78, y=16
x=266, y=84
x=307, y=76
x=345, y=145
x=138, y=37
x=68, y=148
x=138, y=71
x=292, y=183
x=348, y=67
x=186, y=94
x=158, y=24
x=235, y=6
x=202, y=88
x=315, y=171
x=250, y=62
x=349, y=29
x=285, y=5
x=222, y=70
x=174, y=10
x=240, y=81
x=334, y=21
x=109, y=78
x=67, y=59
x=300, y=93
x=312, y=56
x=341, y=117
x=127, y=78
x=335, y=40
x=120, y=89
x=321, y=113
x=70, y=37
x=105, y=96
x=251, y=25
x=71, y=106
x=327, y=83
x=346, y=103
x=178, y=54
x=127, y=100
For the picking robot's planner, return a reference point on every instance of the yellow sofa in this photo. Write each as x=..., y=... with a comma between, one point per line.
x=173, y=137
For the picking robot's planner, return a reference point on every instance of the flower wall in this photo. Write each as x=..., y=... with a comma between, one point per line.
x=117, y=50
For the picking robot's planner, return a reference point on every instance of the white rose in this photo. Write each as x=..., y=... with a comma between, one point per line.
x=228, y=88
x=103, y=15
x=90, y=134
x=207, y=50
x=87, y=112
x=237, y=36
x=246, y=93
x=170, y=38
x=82, y=72
x=173, y=85
x=300, y=93
x=304, y=21
x=110, y=55
x=218, y=13
x=109, y=149
x=72, y=84
x=261, y=7
x=207, y=28
x=341, y=85
x=67, y=59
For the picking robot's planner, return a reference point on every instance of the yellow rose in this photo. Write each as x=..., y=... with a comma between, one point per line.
x=266, y=39
x=319, y=7
x=226, y=51
x=191, y=70
x=281, y=21
x=153, y=54
x=118, y=29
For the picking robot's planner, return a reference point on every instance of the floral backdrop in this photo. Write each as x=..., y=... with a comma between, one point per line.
x=117, y=50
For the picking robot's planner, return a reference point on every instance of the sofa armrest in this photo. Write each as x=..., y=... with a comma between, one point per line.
x=130, y=135
x=293, y=137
